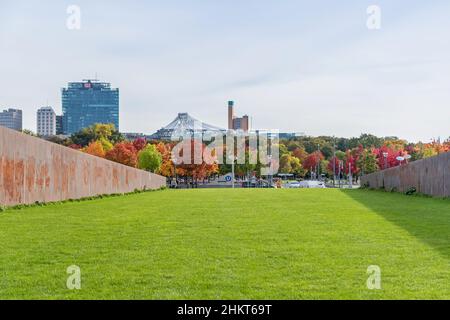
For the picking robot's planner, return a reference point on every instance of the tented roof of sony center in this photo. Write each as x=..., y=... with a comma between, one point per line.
x=183, y=124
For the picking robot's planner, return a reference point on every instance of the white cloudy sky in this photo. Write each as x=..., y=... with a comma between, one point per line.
x=310, y=66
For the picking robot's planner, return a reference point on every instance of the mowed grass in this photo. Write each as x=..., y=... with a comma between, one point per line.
x=229, y=244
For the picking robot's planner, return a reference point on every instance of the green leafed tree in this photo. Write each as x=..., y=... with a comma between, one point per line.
x=102, y=132
x=149, y=158
x=285, y=163
x=367, y=162
x=297, y=167
x=291, y=164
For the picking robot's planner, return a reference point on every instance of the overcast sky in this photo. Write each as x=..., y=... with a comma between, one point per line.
x=303, y=66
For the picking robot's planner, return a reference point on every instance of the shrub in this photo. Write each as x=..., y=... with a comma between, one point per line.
x=411, y=191
x=366, y=185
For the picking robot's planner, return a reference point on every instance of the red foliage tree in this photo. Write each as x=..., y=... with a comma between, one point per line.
x=311, y=161
x=139, y=144
x=351, y=163
x=391, y=157
x=75, y=146
x=124, y=153
x=335, y=167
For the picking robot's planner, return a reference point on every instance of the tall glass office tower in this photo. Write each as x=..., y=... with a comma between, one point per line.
x=88, y=102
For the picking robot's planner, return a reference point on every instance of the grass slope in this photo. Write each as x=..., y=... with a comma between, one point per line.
x=229, y=244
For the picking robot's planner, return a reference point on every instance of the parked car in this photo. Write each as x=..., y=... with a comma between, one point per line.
x=312, y=184
x=257, y=184
x=293, y=184
x=265, y=184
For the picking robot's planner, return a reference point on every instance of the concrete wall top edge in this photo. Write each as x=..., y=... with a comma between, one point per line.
x=66, y=149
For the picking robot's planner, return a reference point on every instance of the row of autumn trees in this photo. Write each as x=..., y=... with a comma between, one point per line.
x=102, y=140
x=304, y=156
x=300, y=156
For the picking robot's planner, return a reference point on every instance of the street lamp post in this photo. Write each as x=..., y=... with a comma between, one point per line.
x=334, y=162
x=318, y=162
x=270, y=170
x=232, y=173
x=175, y=173
x=350, y=177
x=385, y=155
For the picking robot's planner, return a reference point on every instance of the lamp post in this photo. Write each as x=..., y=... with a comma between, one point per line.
x=231, y=158
x=175, y=173
x=318, y=162
x=270, y=170
x=385, y=155
x=350, y=177
x=232, y=172
x=334, y=162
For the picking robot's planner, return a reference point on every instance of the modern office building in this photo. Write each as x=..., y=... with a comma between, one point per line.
x=88, y=102
x=236, y=123
x=59, y=125
x=46, y=122
x=12, y=119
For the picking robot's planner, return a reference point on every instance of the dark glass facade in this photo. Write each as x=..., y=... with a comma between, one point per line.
x=88, y=102
x=59, y=125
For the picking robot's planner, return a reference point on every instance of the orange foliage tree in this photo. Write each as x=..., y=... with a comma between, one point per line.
x=95, y=148
x=201, y=170
x=167, y=168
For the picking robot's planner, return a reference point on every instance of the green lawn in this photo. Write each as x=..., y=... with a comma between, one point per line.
x=229, y=244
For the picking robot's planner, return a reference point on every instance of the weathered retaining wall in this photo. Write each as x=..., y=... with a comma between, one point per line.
x=430, y=176
x=32, y=169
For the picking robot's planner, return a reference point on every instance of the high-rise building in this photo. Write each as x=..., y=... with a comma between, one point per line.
x=12, y=119
x=236, y=123
x=59, y=125
x=46, y=122
x=88, y=102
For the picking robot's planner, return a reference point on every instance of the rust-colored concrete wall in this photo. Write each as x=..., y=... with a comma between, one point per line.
x=32, y=169
x=430, y=176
